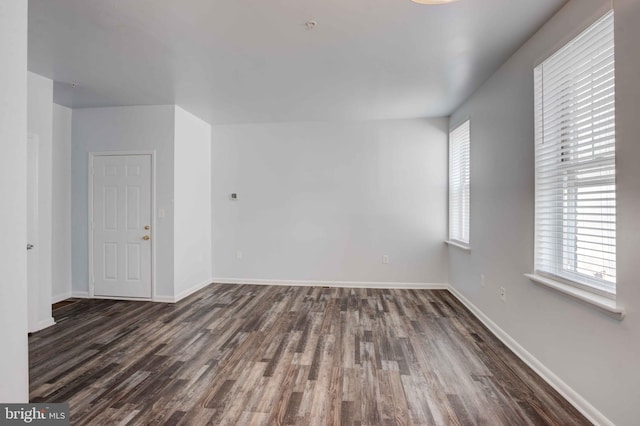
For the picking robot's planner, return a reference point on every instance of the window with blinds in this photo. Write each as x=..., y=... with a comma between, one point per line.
x=459, y=176
x=575, y=201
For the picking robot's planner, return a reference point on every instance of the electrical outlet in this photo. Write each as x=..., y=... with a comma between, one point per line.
x=483, y=283
x=503, y=294
x=385, y=259
x=238, y=254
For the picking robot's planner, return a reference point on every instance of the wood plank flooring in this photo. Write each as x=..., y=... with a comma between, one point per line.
x=254, y=355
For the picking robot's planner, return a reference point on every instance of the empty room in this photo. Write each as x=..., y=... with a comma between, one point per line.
x=389, y=212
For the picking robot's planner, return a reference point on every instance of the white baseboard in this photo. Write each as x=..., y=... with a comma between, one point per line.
x=182, y=294
x=60, y=297
x=43, y=324
x=575, y=399
x=340, y=284
x=191, y=290
x=157, y=298
x=86, y=295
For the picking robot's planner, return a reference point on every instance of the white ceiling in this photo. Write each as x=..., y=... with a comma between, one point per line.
x=231, y=61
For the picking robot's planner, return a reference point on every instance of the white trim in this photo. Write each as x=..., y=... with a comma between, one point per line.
x=91, y=157
x=183, y=294
x=573, y=397
x=339, y=284
x=605, y=304
x=458, y=245
x=60, y=297
x=190, y=291
x=44, y=324
x=80, y=294
x=85, y=295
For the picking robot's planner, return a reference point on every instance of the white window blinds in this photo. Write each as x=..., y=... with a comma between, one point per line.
x=575, y=161
x=459, y=175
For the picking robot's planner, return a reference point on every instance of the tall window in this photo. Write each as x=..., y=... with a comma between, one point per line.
x=575, y=161
x=459, y=175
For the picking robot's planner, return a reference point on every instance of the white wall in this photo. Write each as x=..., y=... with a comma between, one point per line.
x=622, y=405
x=325, y=201
x=40, y=122
x=192, y=211
x=14, y=374
x=123, y=129
x=593, y=354
x=61, y=203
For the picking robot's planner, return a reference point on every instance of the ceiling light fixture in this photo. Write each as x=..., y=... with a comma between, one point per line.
x=433, y=1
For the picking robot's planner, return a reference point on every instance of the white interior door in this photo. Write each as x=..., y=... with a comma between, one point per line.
x=122, y=225
x=33, y=146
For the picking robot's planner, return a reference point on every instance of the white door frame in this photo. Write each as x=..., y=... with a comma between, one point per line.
x=92, y=156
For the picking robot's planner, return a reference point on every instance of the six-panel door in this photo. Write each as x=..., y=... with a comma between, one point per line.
x=122, y=226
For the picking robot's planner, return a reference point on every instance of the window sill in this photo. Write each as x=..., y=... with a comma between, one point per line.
x=608, y=306
x=461, y=246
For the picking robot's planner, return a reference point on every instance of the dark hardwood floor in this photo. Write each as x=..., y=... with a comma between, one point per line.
x=251, y=355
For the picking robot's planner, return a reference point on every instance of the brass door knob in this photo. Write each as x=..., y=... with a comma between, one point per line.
x=147, y=227
x=146, y=238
